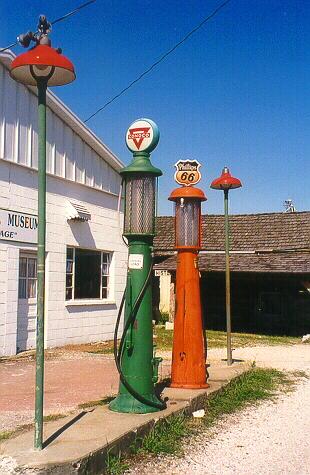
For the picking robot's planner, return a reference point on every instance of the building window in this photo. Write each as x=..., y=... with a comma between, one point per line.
x=27, y=288
x=87, y=274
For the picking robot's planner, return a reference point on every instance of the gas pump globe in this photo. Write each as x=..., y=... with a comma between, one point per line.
x=187, y=217
x=189, y=349
x=135, y=357
x=140, y=202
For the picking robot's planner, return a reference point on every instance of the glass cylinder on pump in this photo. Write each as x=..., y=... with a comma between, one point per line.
x=187, y=220
x=140, y=204
x=187, y=217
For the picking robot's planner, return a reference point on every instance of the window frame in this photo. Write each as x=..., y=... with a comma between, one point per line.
x=27, y=256
x=109, y=258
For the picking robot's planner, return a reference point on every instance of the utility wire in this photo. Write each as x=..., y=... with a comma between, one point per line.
x=9, y=47
x=164, y=56
x=77, y=9
x=64, y=17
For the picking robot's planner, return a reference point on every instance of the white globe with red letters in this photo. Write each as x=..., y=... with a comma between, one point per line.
x=142, y=136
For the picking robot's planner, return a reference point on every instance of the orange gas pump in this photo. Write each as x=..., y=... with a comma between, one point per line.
x=189, y=348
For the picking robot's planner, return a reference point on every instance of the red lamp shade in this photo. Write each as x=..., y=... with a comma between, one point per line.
x=40, y=62
x=226, y=181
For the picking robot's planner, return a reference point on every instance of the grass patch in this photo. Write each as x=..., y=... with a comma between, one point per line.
x=256, y=385
x=115, y=465
x=165, y=437
x=54, y=417
x=218, y=339
x=99, y=402
x=13, y=433
x=169, y=435
x=298, y=373
x=7, y=434
x=163, y=340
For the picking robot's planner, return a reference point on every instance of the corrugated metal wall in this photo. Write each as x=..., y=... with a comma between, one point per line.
x=68, y=156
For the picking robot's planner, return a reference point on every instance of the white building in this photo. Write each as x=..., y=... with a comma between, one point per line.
x=86, y=259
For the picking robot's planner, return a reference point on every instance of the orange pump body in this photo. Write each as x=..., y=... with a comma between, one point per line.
x=189, y=349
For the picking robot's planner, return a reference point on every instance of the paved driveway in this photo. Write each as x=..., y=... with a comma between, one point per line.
x=69, y=381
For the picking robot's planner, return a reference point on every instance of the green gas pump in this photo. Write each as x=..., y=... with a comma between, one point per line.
x=135, y=356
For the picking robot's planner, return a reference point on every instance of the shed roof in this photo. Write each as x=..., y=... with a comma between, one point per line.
x=248, y=232
x=282, y=262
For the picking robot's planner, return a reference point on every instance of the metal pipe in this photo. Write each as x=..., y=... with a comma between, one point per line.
x=227, y=275
x=39, y=389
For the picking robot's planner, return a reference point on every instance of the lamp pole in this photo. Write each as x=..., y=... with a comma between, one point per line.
x=227, y=182
x=227, y=280
x=39, y=389
x=41, y=66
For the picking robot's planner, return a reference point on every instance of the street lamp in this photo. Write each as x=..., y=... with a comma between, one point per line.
x=41, y=66
x=227, y=182
x=135, y=359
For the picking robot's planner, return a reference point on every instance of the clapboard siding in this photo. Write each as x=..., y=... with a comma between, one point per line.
x=68, y=155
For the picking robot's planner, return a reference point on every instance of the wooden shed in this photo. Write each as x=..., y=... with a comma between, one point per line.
x=270, y=270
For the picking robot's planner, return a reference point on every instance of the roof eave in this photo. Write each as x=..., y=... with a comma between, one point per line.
x=72, y=120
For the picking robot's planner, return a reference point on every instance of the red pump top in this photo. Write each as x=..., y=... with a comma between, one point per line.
x=188, y=192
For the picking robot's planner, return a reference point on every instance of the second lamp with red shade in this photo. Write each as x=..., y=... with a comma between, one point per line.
x=227, y=182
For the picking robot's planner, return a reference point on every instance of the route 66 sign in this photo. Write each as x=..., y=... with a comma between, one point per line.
x=187, y=172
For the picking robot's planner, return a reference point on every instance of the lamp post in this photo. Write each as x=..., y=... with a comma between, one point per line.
x=227, y=182
x=135, y=359
x=189, y=351
x=41, y=66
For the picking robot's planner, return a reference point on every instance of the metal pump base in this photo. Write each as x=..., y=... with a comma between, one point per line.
x=127, y=403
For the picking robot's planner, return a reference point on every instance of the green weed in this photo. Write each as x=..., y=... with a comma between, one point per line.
x=115, y=465
x=249, y=388
x=98, y=402
x=54, y=417
x=166, y=435
x=7, y=434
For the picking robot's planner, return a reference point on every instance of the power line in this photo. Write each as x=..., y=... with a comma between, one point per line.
x=64, y=17
x=77, y=9
x=164, y=56
x=9, y=47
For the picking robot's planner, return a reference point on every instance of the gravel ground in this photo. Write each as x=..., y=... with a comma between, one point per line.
x=270, y=439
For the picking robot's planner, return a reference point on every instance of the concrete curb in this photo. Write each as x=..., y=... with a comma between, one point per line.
x=80, y=444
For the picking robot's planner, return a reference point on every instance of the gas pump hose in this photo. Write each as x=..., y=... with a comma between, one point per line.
x=118, y=352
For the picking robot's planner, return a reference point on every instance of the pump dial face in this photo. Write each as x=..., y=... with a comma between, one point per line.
x=142, y=136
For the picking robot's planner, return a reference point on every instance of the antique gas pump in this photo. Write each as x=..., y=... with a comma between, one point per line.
x=135, y=357
x=189, y=348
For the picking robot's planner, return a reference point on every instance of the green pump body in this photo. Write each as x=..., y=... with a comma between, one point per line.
x=139, y=365
x=137, y=357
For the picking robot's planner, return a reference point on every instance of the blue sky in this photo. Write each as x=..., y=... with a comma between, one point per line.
x=236, y=93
